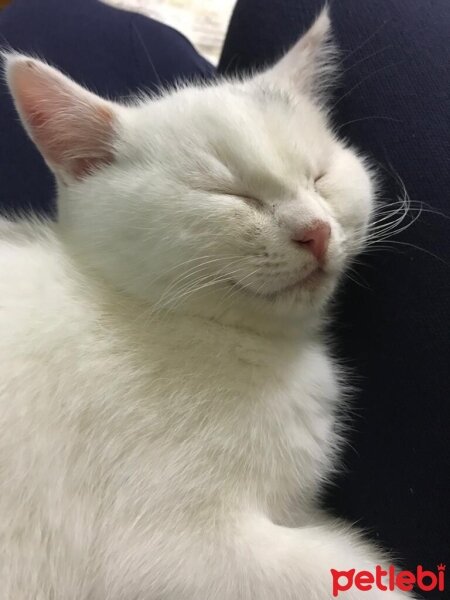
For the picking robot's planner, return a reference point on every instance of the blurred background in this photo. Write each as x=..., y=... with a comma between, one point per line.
x=203, y=22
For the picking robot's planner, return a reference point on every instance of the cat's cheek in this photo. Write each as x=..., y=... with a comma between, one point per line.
x=348, y=192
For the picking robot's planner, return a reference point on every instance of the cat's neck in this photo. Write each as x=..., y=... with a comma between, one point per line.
x=248, y=314
x=245, y=318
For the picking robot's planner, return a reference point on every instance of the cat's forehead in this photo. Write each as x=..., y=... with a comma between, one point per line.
x=251, y=122
x=250, y=102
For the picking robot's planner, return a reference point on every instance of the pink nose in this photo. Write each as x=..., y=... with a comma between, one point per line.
x=314, y=238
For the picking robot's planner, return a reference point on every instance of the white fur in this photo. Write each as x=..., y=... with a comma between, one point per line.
x=167, y=411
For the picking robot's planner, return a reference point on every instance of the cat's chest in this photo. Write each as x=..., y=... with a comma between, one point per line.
x=194, y=411
x=244, y=404
x=248, y=371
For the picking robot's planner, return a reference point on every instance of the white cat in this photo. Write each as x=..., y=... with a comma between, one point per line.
x=167, y=402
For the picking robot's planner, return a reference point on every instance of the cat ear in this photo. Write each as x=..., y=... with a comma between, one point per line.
x=309, y=65
x=74, y=129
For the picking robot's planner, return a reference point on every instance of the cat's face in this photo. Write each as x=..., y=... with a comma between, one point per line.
x=235, y=194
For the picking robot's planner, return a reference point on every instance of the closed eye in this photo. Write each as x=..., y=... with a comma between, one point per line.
x=318, y=177
x=251, y=200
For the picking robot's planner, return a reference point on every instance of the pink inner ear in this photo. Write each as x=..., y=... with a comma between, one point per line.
x=73, y=128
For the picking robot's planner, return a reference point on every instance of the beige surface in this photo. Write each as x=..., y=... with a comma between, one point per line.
x=204, y=22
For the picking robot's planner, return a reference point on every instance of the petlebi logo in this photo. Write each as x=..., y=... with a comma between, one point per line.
x=389, y=580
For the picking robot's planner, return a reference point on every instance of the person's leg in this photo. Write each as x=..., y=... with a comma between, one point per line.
x=114, y=52
x=393, y=102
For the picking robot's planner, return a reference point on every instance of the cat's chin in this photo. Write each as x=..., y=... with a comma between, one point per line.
x=313, y=282
x=317, y=286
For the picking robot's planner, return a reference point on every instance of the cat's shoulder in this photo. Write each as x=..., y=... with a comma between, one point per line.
x=30, y=254
x=36, y=277
x=31, y=236
x=20, y=229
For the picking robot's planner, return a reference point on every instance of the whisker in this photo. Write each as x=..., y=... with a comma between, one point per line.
x=410, y=245
x=190, y=273
x=382, y=117
x=355, y=280
x=364, y=59
x=357, y=85
x=144, y=47
x=366, y=41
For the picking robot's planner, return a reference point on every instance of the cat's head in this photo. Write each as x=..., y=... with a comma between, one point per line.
x=232, y=198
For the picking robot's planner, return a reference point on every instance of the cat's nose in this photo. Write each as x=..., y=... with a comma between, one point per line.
x=314, y=238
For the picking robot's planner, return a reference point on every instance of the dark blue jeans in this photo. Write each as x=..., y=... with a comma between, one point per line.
x=393, y=327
